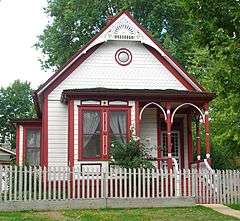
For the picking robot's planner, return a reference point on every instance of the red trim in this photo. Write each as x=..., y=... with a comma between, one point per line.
x=169, y=135
x=181, y=131
x=117, y=54
x=44, y=146
x=158, y=137
x=17, y=144
x=137, y=119
x=190, y=142
x=170, y=67
x=25, y=128
x=104, y=138
x=104, y=133
x=71, y=133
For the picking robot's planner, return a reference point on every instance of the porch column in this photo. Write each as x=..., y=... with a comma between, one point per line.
x=198, y=141
x=169, y=137
x=206, y=123
x=190, y=151
x=137, y=119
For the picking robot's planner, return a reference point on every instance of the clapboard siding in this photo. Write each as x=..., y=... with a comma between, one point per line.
x=101, y=70
x=57, y=133
x=149, y=129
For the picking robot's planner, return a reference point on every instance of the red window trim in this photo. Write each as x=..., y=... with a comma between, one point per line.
x=104, y=128
x=25, y=128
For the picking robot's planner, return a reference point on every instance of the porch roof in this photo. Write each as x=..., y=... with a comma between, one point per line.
x=23, y=121
x=140, y=94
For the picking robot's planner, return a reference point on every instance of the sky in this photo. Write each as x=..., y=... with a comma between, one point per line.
x=21, y=21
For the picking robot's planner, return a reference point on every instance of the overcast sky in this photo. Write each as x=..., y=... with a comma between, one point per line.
x=20, y=23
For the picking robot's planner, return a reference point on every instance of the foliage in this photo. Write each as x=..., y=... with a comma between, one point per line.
x=133, y=154
x=73, y=24
x=15, y=103
x=202, y=35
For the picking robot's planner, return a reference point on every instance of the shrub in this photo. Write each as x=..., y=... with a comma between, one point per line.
x=133, y=154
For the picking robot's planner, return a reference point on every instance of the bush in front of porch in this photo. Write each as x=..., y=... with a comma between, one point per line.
x=133, y=154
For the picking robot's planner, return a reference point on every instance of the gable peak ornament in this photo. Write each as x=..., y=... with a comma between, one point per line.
x=123, y=30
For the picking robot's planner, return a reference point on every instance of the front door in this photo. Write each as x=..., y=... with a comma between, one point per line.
x=177, y=142
x=175, y=145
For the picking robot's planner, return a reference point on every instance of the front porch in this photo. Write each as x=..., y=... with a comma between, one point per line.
x=178, y=135
x=168, y=121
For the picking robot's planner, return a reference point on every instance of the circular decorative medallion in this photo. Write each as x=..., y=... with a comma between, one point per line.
x=123, y=56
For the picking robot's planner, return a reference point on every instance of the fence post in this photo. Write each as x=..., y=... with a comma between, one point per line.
x=105, y=184
x=177, y=180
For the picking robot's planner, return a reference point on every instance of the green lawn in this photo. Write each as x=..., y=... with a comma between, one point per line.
x=234, y=206
x=197, y=213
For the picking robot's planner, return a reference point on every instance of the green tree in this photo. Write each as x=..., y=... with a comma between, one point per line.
x=15, y=103
x=74, y=23
x=214, y=56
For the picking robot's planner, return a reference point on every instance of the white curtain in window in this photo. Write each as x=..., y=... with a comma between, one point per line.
x=118, y=124
x=91, y=121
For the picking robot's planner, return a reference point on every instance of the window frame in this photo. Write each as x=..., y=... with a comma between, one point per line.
x=25, y=129
x=104, y=131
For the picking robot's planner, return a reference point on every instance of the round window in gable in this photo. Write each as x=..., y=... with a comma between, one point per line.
x=123, y=56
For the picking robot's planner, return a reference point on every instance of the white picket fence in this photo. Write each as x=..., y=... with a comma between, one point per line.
x=64, y=183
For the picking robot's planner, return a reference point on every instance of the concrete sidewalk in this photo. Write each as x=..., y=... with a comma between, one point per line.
x=223, y=209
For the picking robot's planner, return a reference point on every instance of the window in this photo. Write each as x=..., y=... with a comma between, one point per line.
x=91, y=134
x=98, y=126
x=33, y=146
x=175, y=143
x=123, y=56
x=118, y=125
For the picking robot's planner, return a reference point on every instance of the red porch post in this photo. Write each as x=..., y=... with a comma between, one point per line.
x=137, y=119
x=190, y=152
x=198, y=141
x=169, y=137
x=206, y=123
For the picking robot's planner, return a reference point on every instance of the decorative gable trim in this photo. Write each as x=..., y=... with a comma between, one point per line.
x=122, y=27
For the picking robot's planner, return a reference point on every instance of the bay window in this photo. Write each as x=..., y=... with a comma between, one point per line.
x=98, y=126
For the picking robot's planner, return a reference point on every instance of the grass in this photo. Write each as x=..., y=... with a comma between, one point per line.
x=234, y=206
x=197, y=213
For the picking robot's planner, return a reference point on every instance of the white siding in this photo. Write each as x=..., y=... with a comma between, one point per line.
x=101, y=70
x=20, y=145
x=57, y=133
x=149, y=129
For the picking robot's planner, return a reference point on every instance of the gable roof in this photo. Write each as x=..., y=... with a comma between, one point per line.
x=137, y=33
